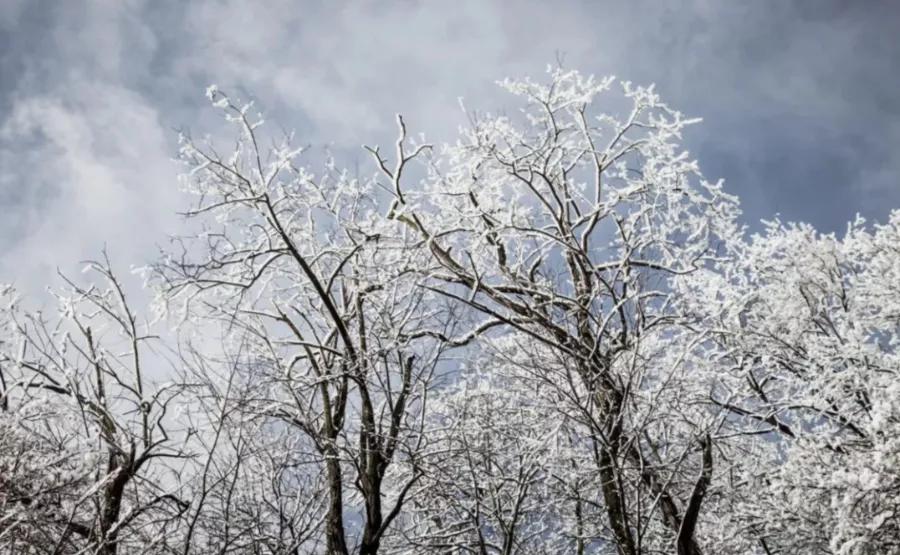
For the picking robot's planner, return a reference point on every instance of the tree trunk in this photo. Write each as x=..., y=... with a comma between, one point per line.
x=336, y=544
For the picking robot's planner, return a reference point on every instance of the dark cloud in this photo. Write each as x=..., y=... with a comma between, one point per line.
x=799, y=98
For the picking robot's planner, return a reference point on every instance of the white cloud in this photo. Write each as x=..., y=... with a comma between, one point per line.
x=97, y=168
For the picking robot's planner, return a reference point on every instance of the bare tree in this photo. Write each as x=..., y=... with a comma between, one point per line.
x=254, y=487
x=548, y=336
x=325, y=315
x=570, y=230
x=505, y=480
x=89, y=450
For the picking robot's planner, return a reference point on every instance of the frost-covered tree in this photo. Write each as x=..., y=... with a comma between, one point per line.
x=252, y=488
x=806, y=329
x=507, y=478
x=548, y=336
x=569, y=227
x=87, y=453
x=322, y=312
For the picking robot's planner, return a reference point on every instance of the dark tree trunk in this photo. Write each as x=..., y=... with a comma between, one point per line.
x=336, y=544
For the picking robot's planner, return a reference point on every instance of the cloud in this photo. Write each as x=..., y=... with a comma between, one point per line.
x=89, y=170
x=800, y=110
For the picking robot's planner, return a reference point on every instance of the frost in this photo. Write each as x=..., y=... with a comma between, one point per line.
x=550, y=335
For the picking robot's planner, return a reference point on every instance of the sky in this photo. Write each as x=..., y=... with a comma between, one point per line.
x=799, y=99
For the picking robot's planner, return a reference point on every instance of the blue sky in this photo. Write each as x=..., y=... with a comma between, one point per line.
x=799, y=99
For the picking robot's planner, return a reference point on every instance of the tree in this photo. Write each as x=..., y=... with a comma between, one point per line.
x=321, y=307
x=807, y=335
x=570, y=229
x=87, y=449
x=508, y=479
x=551, y=335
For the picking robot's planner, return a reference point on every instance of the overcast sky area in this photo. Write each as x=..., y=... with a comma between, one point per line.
x=799, y=99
